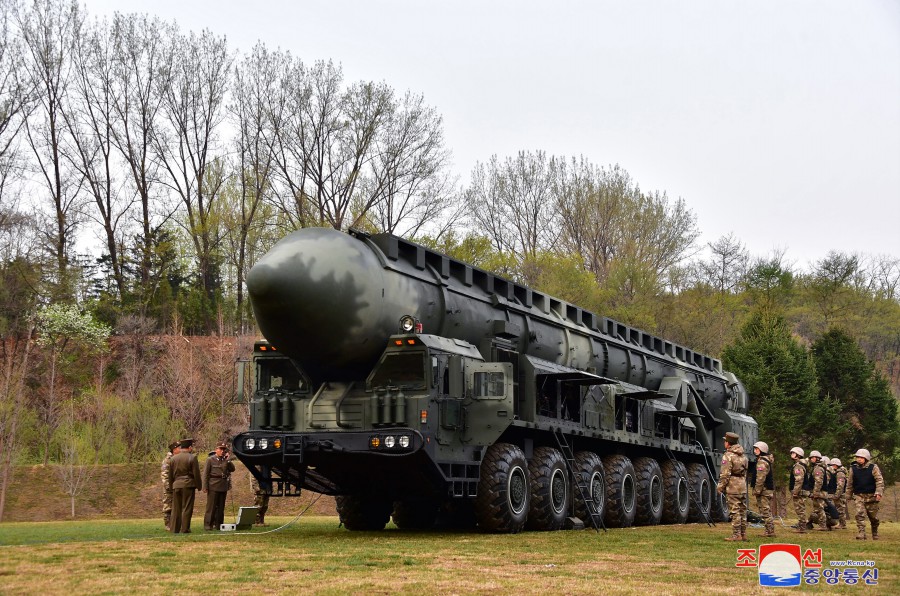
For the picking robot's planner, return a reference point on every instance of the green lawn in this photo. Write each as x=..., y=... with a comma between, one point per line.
x=315, y=555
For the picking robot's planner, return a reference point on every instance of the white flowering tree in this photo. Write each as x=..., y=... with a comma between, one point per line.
x=63, y=328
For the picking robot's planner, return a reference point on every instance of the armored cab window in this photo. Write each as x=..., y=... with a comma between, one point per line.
x=400, y=369
x=489, y=384
x=278, y=374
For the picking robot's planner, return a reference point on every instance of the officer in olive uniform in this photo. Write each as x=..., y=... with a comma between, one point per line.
x=800, y=485
x=817, y=470
x=762, y=481
x=840, y=491
x=167, y=490
x=866, y=486
x=184, y=479
x=216, y=483
x=733, y=482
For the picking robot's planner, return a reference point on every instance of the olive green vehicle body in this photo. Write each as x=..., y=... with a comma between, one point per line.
x=348, y=405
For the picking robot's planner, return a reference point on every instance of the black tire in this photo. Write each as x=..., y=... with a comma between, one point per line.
x=589, y=467
x=504, y=494
x=676, y=503
x=360, y=513
x=703, y=491
x=649, y=485
x=620, y=491
x=415, y=514
x=549, y=490
x=720, y=511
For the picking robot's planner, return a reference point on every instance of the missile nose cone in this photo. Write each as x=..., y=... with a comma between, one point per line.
x=316, y=295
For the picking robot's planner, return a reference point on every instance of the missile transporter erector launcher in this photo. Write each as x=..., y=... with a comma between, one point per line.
x=409, y=384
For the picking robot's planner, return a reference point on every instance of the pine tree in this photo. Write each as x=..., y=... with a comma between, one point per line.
x=863, y=395
x=779, y=374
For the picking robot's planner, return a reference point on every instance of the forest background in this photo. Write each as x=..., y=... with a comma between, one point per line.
x=144, y=170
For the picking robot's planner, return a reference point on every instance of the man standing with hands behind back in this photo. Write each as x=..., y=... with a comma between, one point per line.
x=216, y=482
x=184, y=478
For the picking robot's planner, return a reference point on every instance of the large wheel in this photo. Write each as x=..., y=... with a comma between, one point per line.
x=675, y=488
x=649, y=484
x=504, y=494
x=359, y=513
x=620, y=491
x=702, y=498
x=720, y=508
x=549, y=490
x=589, y=469
x=415, y=514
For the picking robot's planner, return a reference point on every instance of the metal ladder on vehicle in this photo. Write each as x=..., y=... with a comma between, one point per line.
x=707, y=515
x=583, y=489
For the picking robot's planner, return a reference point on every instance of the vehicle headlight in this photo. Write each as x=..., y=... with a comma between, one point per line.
x=390, y=441
x=264, y=443
x=250, y=444
x=407, y=324
x=404, y=441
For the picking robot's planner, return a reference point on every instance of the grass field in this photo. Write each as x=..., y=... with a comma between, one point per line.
x=315, y=555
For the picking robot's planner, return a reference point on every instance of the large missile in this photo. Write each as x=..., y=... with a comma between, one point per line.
x=331, y=300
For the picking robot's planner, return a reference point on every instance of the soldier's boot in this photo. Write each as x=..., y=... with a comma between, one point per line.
x=800, y=529
x=735, y=538
x=167, y=519
x=861, y=535
x=769, y=534
x=842, y=525
x=262, y=519
x=875, y=525
x=832, y=523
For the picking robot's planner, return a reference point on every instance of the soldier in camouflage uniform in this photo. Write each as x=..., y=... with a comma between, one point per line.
x=261, y=501
x=800, y=485
x=840, y=491
x=167, y=490
x=866, y=486
x=763, y=483
x=733, y=483
x=818, y=491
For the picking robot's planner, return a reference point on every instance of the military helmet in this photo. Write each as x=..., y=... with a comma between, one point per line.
x=825, y=460
x=863, y=453
x=798, y=451
x=836, y=462
x=815, y=453
x=763, y=448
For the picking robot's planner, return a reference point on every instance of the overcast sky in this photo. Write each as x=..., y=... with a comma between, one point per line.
x=776, y=120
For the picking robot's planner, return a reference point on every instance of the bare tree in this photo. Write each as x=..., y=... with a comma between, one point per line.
x=606, y=219
x=253, y=91
x=49, y=31
x=140, y=79
x=189, y=147
x=514, y=203
x=727, y=266
x=354, y=156
x=91, y=120
x=15, y=350
x=410, y=190
x=594, y=206
x=14, y=100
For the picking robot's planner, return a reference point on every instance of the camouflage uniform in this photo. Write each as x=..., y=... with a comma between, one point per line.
x=764, y=489
x=866, y=486
x=840, y=496
x=799, y=492
x=818, y=496
x=732, y=481
x=167, y=489
x=261, y=501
